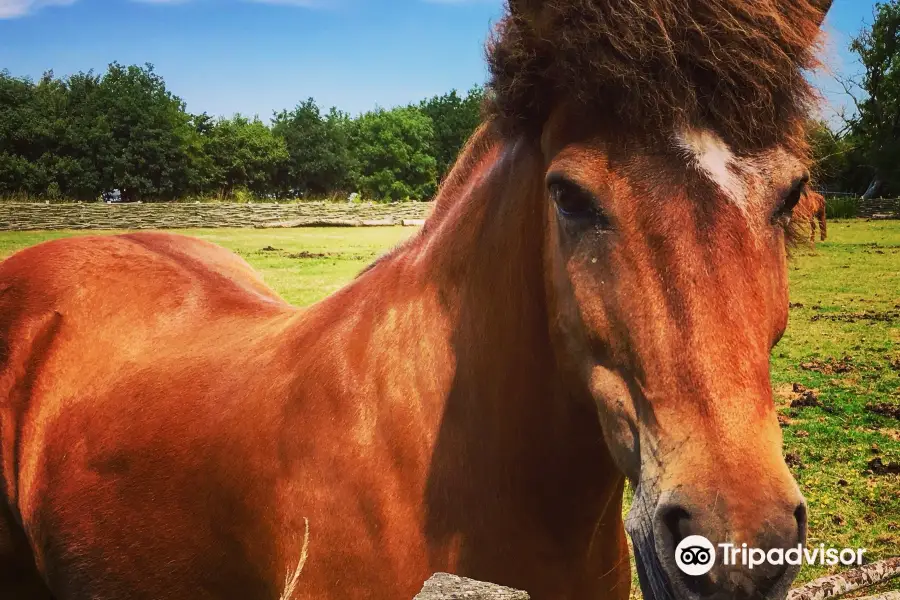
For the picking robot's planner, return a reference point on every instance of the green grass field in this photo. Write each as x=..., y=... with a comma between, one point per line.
x=303, y=265
x=836, y=373
x=843, y=343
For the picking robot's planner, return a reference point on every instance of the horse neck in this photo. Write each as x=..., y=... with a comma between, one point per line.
x=508, y=421
x=452, y=332
x=465, y=302
x=483, y=250
x=447, y=340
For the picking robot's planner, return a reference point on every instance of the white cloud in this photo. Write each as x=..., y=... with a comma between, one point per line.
x=12, y=9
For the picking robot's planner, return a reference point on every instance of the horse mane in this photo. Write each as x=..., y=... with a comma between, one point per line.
x=734, y=66
x=452, y=188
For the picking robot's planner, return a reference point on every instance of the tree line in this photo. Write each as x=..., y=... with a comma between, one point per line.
x=859, y=152
x=81, y=136
x=88, y=134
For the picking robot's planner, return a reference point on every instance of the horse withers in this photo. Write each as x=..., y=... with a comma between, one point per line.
x=594, y=299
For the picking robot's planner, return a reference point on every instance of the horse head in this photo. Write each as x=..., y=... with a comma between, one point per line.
x=673, y=156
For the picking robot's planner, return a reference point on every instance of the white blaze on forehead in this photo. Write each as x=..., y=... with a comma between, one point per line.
x=709, y=154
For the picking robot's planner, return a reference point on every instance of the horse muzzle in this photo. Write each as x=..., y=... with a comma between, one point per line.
x=687, y=551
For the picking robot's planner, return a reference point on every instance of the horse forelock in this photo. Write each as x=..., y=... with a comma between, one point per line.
x=734, y=67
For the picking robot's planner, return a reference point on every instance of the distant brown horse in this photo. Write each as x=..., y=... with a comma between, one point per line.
x=812, y=209
x=594, y=298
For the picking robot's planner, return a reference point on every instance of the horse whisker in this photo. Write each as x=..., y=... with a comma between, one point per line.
x=290, y=581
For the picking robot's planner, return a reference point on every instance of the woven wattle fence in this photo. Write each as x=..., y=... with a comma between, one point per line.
x=98, y=215
x=880, y=207
x=450, y=587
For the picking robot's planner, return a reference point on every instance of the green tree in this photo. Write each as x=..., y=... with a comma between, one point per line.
x=31, y=123
x=394, y=154
x=84, y=137
x=243, y=153
x=833, y=156
x=454, y=119
x=876, y=123
x=204, y=176
x=318, y=146
x=16, y=138
x=145, y=134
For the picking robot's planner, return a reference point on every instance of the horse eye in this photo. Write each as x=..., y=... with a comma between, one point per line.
x=575, y=204
x=792, y=197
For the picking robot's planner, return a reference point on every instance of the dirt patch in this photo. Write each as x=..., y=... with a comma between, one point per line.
x=793, y=460
x=829, y=366
x=887, y=316
x=805, y=397
x=795, y=305
x=784, y=394
x=784, y=421
x=885, y=409
x=306, y=254
x=879, y=467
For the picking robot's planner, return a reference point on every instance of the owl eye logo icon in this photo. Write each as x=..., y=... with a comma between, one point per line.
x=695, y=555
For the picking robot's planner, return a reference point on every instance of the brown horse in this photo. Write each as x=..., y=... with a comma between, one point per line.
x=811, y=208
x=594, y=298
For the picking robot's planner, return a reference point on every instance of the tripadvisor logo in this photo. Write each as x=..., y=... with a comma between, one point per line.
x=696, y=555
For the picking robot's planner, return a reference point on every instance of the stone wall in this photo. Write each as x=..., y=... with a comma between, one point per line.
x=22, y=217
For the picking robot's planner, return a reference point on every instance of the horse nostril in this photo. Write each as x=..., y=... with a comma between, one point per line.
x=677, y=523
x=674, y=524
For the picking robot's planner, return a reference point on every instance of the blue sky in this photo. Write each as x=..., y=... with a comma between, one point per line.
x=256, y=56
